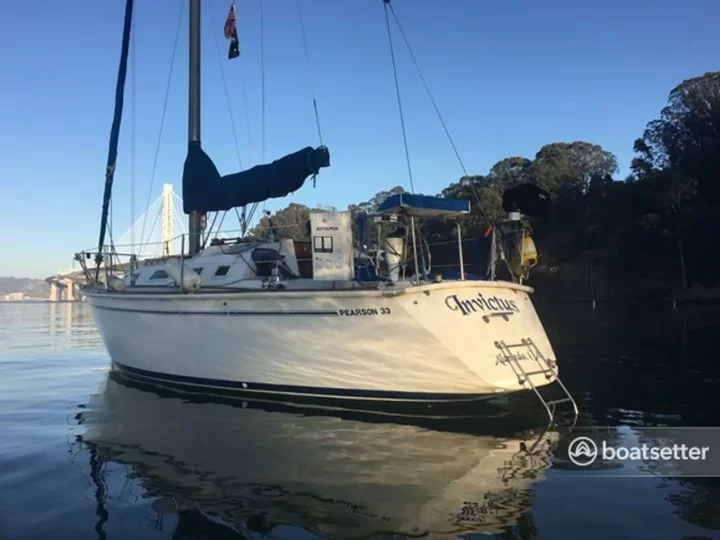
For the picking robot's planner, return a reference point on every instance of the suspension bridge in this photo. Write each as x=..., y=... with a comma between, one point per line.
x=157, y=233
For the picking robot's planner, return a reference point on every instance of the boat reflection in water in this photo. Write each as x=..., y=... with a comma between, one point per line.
x=250, y=471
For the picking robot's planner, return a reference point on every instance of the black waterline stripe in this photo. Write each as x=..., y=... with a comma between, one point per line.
x=299, y=390
x=228, y=312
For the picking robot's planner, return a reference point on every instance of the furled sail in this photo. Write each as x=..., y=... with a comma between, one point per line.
x=204, y=190
x=115, y=130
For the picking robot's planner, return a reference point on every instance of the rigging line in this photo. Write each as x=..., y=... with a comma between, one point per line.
x=397, y=90
x=133, y=123
x=162, y=119
x=157, y=220
x=222, y=219
x=229, y=105
x=243, y=225
x=177, y=214
x=207, y=236
x=178, y=217
x=262, y=73
x=178, y=199
x=156, y=202
x=242, y=219
x=262, y=76
x=253, y=208
x=210, y=231
x=247, y=120
x=224, y=81
x=134, y=228
x=437, y=109
x=307, y=59
x=177, y=206
x=112, y=248
x=427, y=89
x=251, y=213
x=177, y=226
x=109, y=227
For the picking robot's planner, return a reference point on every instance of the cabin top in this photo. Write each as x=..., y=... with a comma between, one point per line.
x=224, y=265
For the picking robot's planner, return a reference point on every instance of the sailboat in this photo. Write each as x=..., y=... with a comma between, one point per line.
x=246, y=316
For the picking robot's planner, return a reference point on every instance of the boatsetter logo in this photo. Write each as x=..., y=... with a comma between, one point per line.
x=583, y=451
x=623, y=451
x=491, y=305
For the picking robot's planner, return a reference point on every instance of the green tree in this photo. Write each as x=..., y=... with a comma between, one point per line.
x=290, y=222
x=571, y=165
x=370, y=206
x=482, y=213
x=686, y=137
x=686, y=124
x=669, y=195
x=509, y=172
x=677, y=166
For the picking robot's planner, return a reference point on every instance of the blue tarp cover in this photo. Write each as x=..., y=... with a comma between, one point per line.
x=206, y=191
x=423, y=205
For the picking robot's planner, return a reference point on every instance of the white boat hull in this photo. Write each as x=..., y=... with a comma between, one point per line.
x=433, y=342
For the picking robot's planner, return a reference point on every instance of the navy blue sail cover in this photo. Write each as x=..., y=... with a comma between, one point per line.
x=204, y=190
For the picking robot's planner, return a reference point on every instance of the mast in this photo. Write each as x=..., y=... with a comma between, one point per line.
x=194, y=225
x=205, y=189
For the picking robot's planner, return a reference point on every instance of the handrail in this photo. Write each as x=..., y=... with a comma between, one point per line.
x=263, y=228
x=179, y=238
x=174, y=248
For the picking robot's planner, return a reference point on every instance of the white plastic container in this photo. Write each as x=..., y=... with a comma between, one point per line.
x=115, y=283
x=191, y=281
x=393, y=257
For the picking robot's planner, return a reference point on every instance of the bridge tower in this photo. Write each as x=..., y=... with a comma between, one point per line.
x=167, y=218
x=161, y=239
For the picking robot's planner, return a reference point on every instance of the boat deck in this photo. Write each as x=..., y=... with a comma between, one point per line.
x=309, y=287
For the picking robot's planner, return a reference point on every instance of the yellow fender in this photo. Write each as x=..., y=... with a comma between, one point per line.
x=529, y=252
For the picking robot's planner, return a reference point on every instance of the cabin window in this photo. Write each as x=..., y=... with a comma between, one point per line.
x=222, y=271
x=323, y=244
x=198, y=271
x=159, y=274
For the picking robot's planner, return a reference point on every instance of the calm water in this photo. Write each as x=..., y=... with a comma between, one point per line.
x=84, y=456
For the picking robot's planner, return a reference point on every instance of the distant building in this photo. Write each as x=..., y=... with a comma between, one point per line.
x=15, y=297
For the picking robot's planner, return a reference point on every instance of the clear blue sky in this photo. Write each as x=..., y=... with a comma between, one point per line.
x=508, y=76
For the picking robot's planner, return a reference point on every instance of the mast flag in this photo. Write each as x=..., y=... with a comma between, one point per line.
x=231, y=33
